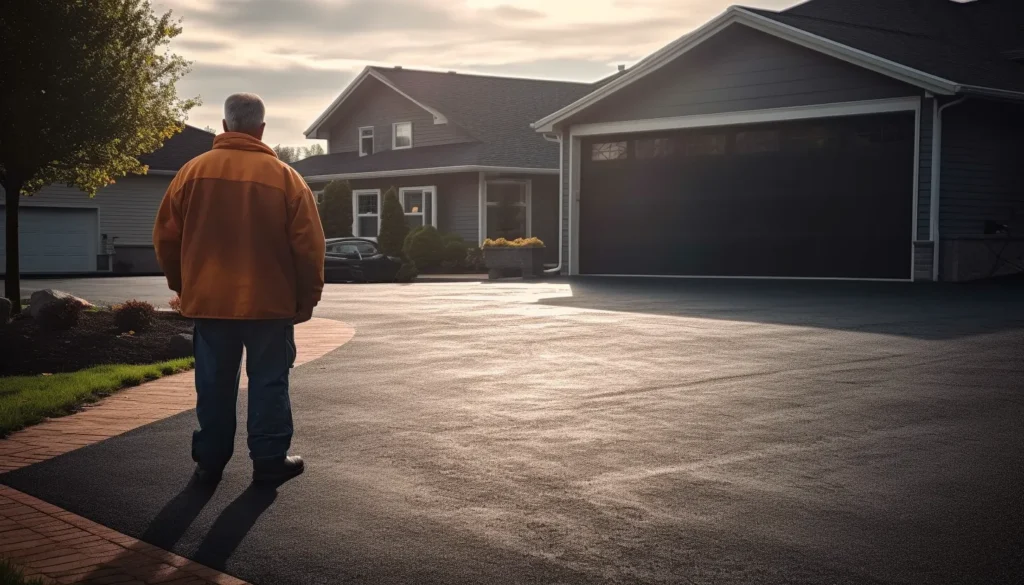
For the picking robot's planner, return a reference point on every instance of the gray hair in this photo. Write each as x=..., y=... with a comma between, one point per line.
x=243, y=112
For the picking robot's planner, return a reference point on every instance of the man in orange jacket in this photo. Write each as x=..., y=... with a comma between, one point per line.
x=239, y=238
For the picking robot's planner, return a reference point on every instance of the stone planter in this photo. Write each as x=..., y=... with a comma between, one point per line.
x=502, y=262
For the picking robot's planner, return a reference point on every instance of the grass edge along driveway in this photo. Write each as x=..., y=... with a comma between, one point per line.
x=28, y=400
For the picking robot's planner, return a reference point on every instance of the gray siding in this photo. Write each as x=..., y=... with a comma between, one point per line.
x=127, y=208
x=375, y=104
x=545, y=214
x=457, y=199
x=743, y=69
x=924, y=177
x=982, y=168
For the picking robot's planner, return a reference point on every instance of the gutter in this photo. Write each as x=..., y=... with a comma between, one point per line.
x=937, y=111
x=561, y=200
x=429, y=171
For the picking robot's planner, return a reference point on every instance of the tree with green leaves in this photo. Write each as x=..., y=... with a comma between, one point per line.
x=336, y=210
x=315, y=150
x=81, y=107
x=288, y=154
x=393, y=228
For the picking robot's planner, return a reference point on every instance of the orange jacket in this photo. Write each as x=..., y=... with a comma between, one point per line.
x=238, y=234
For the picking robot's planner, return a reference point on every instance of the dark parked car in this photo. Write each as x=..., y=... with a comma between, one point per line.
x=358, y=260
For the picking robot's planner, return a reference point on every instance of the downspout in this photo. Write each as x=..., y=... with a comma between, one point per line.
x=561, y=200
x=937, y=178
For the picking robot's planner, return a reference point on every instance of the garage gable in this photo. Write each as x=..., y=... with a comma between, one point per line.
x=742, y=69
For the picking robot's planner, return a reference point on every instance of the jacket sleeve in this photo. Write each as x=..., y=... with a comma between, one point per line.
x=167, y=235
x=308, y=245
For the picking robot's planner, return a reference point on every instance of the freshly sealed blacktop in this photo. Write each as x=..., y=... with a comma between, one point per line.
x=609, y=432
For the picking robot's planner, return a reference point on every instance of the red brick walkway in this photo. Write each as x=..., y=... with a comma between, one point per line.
x=60, y=547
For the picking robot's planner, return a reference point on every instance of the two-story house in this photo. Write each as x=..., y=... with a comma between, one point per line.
x=458, y=148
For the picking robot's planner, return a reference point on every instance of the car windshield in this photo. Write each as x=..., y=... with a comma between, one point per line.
x=366, y=248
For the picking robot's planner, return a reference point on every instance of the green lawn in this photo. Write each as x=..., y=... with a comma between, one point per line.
x=27, y=400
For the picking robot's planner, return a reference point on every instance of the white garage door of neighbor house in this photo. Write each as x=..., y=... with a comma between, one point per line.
x=54, y=240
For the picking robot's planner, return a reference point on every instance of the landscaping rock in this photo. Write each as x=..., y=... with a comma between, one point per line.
x=5, y=311
x=180, y=346
x=41, y=298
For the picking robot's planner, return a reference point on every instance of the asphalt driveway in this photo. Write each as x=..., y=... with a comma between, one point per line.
x=592, y=432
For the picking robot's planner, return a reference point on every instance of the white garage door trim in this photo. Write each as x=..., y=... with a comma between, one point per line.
x=87, y=243
x=730, y=119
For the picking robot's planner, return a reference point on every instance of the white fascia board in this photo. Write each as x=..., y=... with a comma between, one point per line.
x=429, y=171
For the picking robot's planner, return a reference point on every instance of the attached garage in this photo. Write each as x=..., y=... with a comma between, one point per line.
x=56, y=239
x=816, y=198
x=813, y=142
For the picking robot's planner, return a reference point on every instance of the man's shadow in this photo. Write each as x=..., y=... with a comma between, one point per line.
x=227, y=532
x=234, y=523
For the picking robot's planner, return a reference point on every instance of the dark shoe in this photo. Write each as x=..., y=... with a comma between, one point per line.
x=277, y=470
x=208, y=476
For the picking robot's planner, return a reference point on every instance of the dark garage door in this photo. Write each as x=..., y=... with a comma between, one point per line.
x=820, y=198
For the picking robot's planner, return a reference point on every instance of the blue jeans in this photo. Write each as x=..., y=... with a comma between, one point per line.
x=270, y=352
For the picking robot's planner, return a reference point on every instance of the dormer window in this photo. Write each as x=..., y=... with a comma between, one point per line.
x=401, y=136
x=365, y=140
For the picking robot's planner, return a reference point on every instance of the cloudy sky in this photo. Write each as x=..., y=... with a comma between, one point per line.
x=300, y=54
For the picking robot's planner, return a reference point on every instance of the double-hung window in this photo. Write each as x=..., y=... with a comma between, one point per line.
x=419, y=205
x=366, y=213
x=401, y=135
x=365, y=140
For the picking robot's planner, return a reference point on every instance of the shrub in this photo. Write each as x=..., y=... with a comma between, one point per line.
x=336, y=210
x=455, y=250
x=175, y=304
x=60, y=314
x=407, y=272
x=424, y=248
x=517, y=243
x=475, y=260
x=393, y=228
x=134, y=315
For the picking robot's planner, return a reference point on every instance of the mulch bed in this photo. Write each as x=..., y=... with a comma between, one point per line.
x=28, y=349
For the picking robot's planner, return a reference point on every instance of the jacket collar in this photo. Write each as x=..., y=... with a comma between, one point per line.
x=240, y=141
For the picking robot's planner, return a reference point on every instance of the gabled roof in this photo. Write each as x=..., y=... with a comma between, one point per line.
x=866, y=33
x=178, y=150
x=495, y=111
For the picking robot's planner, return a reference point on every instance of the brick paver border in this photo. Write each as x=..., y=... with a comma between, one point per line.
x=60, y=547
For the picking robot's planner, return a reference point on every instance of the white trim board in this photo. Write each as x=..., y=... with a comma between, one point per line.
x=314, y=129
x=751, y=117
x=737, y=15
x=429, y=171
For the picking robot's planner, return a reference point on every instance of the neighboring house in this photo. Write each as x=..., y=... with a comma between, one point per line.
x=855, y=139
x=459, y=149
x=63, y=231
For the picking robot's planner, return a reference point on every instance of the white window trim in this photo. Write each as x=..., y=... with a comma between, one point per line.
x=372, y=137
x=486, y=204
x=432, y=189
x=355, y=209
x=394, y=136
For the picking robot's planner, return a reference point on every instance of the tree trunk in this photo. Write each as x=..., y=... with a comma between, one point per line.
x=12, y=280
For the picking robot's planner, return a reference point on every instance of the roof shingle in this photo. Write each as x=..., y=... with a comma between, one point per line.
x=179, y=149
